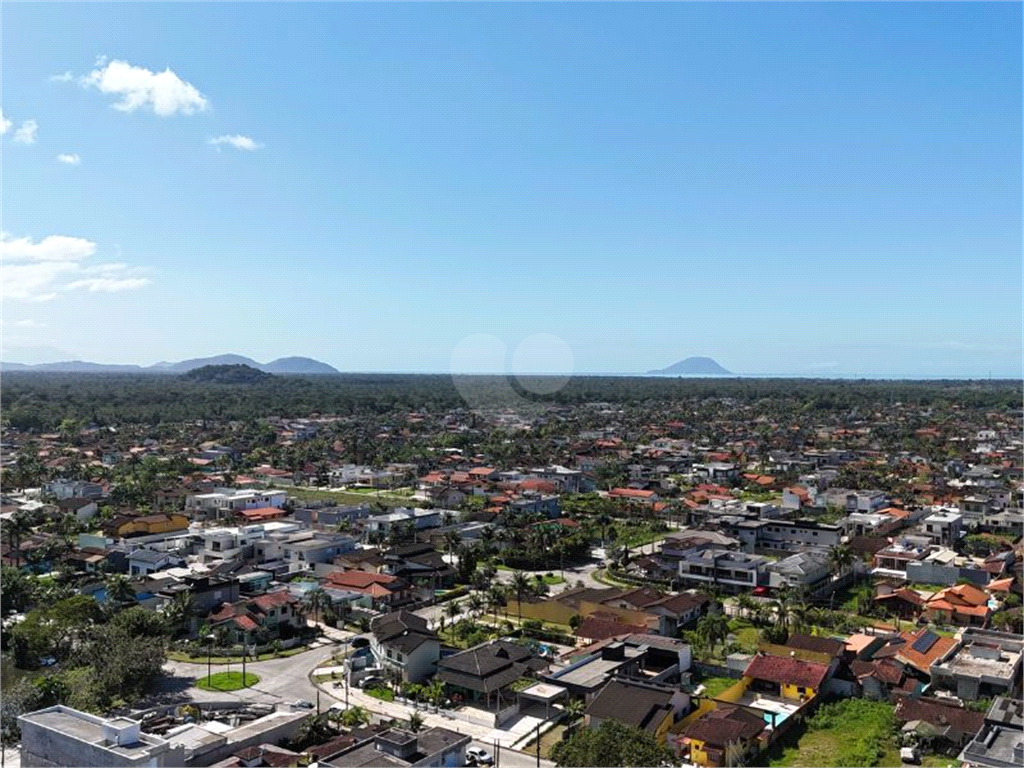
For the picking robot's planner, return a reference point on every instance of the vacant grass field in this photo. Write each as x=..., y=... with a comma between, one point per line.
x=852, y=732
x=715, y=685
x=227, y=681
x=747, y=634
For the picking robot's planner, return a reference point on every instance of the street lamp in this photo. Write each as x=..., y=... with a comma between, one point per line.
x=210, y=638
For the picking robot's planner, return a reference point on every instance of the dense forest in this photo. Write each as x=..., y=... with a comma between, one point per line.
x=42, y=401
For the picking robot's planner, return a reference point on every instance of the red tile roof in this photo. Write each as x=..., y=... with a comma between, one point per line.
x=787, y=671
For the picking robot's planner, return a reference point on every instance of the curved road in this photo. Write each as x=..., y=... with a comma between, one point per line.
x=282, y=681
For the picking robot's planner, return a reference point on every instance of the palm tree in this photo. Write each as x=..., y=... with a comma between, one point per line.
x=353, y=717
x=454, y=610
x=119, y=591
x=452, y=540
x=416, y=722
x=496, y=599
x=475, y=605
x=15, y=529
x=521, y=586
x=178, y=611
x=316, y=600
x=574, y=710
x=841, y=557
x=713, y=628
x=604, y=520
x=746, y=604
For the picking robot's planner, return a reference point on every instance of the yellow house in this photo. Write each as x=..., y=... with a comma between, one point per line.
x=726, y=736
x=150, y=524
x=787, y=676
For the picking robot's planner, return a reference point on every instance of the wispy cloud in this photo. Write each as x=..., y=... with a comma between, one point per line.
x=163, y=92
x=237, y=141
x=69, y=159
x=45, y=269
x=26, y=133
x=108, y=284
x=29, y=324
x=5, y=124
x=65, y=77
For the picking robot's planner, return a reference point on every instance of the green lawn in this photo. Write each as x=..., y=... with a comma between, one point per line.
x=384, y=694
x=227, y=681
x=938, y=761
x=715, y=685
x=851, y=732
x=636, y=535
x=747, y=635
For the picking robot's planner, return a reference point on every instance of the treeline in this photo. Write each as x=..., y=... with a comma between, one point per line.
x=41, y=401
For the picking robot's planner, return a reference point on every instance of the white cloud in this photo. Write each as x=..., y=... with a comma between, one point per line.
x=26, y=134
x=69, y=159
x=163, y=92
x=29, y=324
x=108, y=284
x=236, y=141
x=56, y=265
x=5, y=124
x=50, y=248
x=66, y=77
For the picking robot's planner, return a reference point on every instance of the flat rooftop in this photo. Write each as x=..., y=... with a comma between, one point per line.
x=595, y=671
x=969, y=662
x=89, y=729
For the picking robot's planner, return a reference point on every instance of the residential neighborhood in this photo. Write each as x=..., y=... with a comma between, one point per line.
x=719, y=587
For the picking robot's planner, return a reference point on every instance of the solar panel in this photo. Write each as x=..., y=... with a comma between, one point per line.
x=924, y=643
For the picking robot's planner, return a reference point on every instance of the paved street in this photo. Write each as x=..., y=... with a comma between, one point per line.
x=281, y=680
x=510, y=758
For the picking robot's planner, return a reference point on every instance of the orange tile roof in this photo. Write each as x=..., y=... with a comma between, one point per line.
x=922, y=661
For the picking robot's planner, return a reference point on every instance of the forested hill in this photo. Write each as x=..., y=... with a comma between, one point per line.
x=228, y=374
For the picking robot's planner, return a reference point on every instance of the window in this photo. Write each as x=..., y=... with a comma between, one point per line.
x=390, y=654
x=398, y=657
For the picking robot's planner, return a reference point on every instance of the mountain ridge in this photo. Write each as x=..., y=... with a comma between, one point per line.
x=282, y=365
x=693, y=366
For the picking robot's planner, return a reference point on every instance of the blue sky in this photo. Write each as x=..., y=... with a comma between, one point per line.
x=788, y=188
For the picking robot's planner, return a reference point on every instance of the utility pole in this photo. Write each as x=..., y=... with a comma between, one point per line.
x=538, y=745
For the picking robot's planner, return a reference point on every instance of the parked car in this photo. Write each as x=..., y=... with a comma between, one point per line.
x=302, y=704
x=479, y=756
x=371, y=681
x=760, y=592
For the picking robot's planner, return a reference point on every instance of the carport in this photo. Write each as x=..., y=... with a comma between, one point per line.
x=544, y=694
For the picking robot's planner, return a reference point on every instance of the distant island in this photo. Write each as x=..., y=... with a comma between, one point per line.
x=693, y=366
x=228, y=374
x=283, y=365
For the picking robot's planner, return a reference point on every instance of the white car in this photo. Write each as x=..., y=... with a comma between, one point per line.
x=302, y=704
x=479, y=756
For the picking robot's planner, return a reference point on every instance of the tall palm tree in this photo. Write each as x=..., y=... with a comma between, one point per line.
x=521, y=586
x=316, y=600
x=453, y=609
x=15, y=530
x=475, y=605
x=496, y=599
